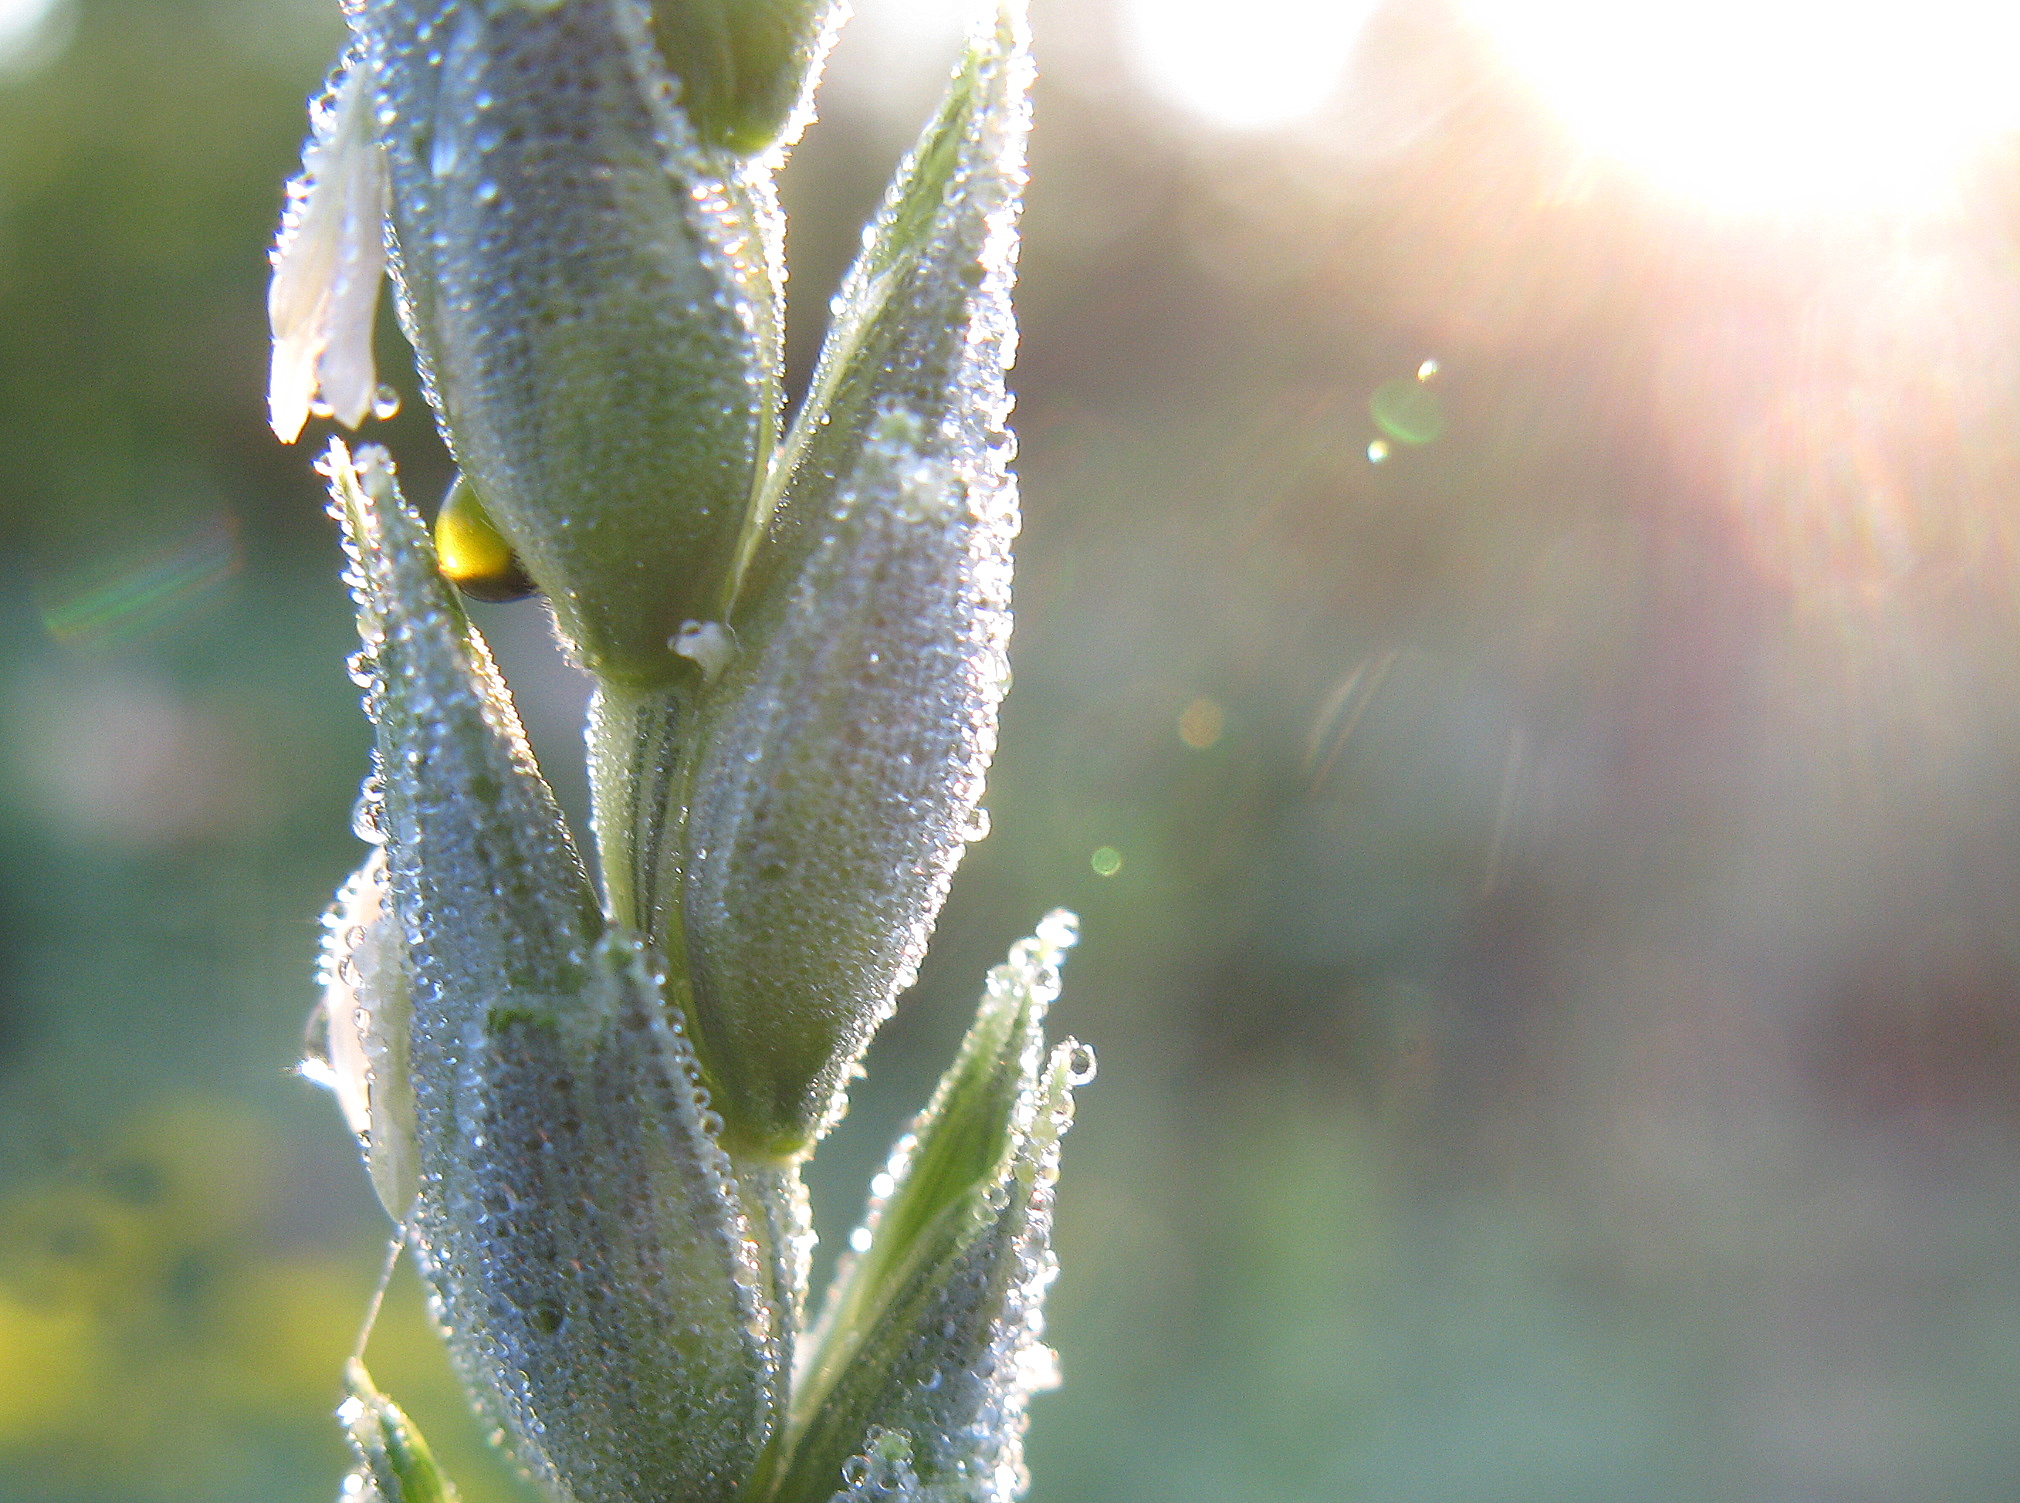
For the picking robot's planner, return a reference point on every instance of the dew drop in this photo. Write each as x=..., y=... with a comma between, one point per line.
x=367, y=815
x=1059, y=930
x=385, y=403
x=859, y=1239
x=1378, y=451
x=707, y=644
x=1037, y=1368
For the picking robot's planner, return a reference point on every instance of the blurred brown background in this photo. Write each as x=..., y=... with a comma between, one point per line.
x=1546, y=820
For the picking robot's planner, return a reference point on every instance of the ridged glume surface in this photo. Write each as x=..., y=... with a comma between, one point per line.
x=591, y=296
x=575, y=1221
x=844, y=753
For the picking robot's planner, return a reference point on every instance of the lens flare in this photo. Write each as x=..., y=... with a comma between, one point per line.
x=1771, y=106
x=131, y=597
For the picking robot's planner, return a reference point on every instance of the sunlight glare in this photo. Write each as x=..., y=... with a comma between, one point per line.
x=1769, y=105
x=32, y=32
x=1249, y=67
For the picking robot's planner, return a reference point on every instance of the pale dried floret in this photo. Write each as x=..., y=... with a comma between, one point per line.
x=359, y=1047
x=328, y=262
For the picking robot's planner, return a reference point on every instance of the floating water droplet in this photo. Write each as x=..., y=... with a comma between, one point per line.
x=1106, y=861
x=1378, y=451
x=1408, y=411
x=1428, y=369
x=385, y=403
x=860, y=1239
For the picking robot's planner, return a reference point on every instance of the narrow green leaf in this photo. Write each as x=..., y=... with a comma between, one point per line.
x=394, y=1464
x=923, y=323
x=488, y=885
x=922, y=1364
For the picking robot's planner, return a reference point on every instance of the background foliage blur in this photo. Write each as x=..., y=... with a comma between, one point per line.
x=1550, y=878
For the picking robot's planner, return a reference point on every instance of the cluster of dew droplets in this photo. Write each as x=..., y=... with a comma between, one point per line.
x=333, y=1057
x=883, y=1470
x=838, y=787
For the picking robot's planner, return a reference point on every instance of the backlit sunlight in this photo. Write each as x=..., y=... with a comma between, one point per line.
x=1775, y=105
x=1263, y=63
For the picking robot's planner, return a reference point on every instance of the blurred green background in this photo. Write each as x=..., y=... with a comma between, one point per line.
x=1546, y=821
